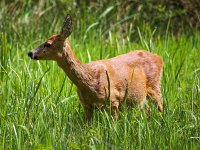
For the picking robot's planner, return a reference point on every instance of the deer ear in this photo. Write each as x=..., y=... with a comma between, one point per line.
x=67, y=27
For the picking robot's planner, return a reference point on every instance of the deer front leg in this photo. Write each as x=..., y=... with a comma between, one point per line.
x=88, y=109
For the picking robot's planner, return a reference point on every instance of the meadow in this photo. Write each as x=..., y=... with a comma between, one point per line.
x=39, y=106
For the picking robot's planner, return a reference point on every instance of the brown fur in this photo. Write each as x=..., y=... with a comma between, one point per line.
x=128, y=78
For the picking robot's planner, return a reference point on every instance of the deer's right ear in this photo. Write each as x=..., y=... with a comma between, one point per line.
x=67, y=27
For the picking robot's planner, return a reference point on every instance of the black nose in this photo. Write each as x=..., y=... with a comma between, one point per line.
x=30, y=54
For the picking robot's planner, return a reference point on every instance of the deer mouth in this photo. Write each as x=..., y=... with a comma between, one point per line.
x=35, y=57
x=32, y=56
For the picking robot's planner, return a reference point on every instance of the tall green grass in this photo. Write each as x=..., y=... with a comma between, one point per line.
x=39, y=107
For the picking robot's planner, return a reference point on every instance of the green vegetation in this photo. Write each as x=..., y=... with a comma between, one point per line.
x=39, y=107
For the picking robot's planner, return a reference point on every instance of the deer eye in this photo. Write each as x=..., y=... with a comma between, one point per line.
x=47, y=45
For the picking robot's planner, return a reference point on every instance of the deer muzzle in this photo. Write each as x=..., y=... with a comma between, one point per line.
x=32, y=55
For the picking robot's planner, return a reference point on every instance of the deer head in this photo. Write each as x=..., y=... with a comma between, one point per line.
x=52, y=48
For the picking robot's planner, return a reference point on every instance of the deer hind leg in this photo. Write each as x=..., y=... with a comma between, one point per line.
x=147, y=109
x=154, y=94
x=115, y=109
x=143, y=105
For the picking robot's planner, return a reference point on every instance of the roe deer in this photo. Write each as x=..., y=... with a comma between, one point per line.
x=128, y=78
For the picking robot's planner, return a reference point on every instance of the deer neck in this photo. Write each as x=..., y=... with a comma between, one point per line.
x=77, y=72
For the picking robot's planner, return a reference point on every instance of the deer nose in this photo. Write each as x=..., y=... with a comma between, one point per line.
x=30, y=54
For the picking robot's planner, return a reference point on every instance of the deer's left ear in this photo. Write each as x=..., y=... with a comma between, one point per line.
x=67, y=27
